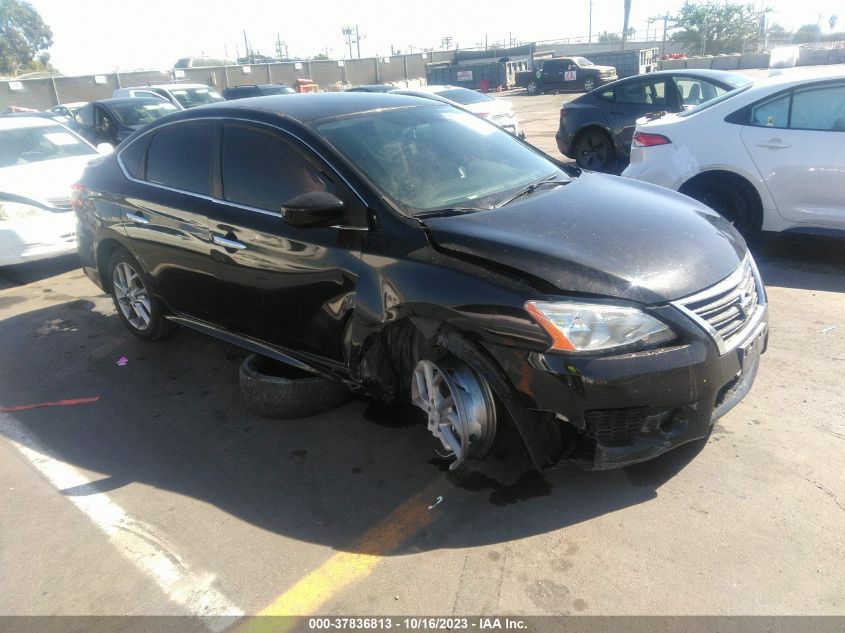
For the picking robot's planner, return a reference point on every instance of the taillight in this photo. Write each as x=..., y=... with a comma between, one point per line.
x=643, y=139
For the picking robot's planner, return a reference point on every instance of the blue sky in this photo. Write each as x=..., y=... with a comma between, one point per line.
x=101, y=35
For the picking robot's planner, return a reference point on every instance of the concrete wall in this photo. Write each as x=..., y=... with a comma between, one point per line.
x=402, y=70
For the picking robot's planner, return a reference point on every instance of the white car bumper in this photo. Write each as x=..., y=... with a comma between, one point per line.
x=658, y=165
x=30, y=239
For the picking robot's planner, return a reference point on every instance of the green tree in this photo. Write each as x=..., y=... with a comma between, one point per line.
x=320, y=56
x=609, y=38
x=714, y=28
x=834, y=19
x=24, y=37
x=806, y=34
x=627, y=9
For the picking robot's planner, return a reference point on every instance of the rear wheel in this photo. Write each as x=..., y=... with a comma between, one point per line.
x=589, y=84
x=458, y=404
x=533, y=87
x=728, y=200
x=594, y=151
x=136, y=306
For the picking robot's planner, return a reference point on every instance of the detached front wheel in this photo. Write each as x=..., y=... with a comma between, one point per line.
x=136, y=306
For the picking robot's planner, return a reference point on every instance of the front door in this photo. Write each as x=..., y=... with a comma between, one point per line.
x=797, y=142
x=289, y=286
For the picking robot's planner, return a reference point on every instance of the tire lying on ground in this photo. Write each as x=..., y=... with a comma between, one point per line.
x=276, y=390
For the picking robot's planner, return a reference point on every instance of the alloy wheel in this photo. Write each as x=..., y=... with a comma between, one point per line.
x=593, y=152
x=131, y=296
x=459, y=407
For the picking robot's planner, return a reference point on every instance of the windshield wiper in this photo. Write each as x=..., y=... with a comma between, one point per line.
x=446, y=212
x=553, y=179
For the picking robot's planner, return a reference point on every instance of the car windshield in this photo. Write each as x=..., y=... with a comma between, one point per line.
x=582, y=61
x=143, y=112
x=432, y=158
x=35, y=144
x=463, y=96
x=712, y=102
x=190, y=97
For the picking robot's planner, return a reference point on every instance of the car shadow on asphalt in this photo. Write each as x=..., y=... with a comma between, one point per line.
x=170, y=419
x=808, y=262
x=21, y=274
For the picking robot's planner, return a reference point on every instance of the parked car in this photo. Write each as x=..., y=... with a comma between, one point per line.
x=256, y=90
x=183, y=96
x=596, y=129
x=496, y=111
x=68, y=109
x=564, y=73
x=418, y=252
x=112, y=120
x=39, y=161
x=372, y=88
x=766, y=156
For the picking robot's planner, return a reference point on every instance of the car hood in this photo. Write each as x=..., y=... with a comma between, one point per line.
x=44, y=181
x=602, y=68
x=600, y=235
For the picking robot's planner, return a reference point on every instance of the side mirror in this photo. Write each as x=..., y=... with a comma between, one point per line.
x=316, y=208
x=105, y=148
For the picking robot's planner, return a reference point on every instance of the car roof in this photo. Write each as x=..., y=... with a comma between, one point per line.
x=434, y=89
x=798, y=75
x=704, y=73
x=315, y=105
x=18, y=122
x=165, y=86
x=113, y=101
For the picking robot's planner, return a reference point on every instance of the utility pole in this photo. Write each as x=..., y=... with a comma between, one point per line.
x=590, y=36
x=625, y=23
x=447, y=41
x=358, y=41
x=247, y=52
x=665, y=26
x=347, y=31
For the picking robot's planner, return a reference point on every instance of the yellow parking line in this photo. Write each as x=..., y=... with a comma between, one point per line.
x=342, y=569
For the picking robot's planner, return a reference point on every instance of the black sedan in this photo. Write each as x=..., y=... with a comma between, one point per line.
x=112, y=120
x=417, y=252
x=596, y=129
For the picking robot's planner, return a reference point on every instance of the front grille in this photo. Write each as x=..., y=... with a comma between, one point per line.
x=618, y=427
x=727, y=307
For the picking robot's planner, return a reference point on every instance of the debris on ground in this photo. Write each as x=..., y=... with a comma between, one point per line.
x=828, y=329
x=57, y=403
x=436, y=503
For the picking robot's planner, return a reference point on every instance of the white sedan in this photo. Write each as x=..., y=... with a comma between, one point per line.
x=770, y=155
x=497, y=111
x=39, y=161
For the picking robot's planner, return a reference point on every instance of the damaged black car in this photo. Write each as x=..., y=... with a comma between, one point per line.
x=415, y=252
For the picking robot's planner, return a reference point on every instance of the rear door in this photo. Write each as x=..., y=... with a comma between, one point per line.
x=166, y=220
x=289, y=286
x=552, y=73
x=797, y=142
x=693, y=91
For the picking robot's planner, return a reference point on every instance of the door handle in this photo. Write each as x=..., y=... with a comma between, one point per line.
x=774, y=144
x=137, y=219
x=225, y=242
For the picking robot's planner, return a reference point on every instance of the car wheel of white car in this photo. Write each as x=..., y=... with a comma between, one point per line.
x=136, y=306
x=728, y=200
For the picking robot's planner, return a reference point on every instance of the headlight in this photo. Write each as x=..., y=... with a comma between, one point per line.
x=17, y=210
x=588, y=327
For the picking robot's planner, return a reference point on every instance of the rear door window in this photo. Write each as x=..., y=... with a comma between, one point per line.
x=772, y=113
x=642, y=93
x=181, y=156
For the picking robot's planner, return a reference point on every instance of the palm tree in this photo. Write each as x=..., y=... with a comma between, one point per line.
x=625, y=26
x=832, y=22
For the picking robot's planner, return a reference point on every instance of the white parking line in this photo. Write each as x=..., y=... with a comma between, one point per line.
x=139, y=543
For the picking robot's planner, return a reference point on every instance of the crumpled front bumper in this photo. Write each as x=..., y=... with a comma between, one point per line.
x=633, y=407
